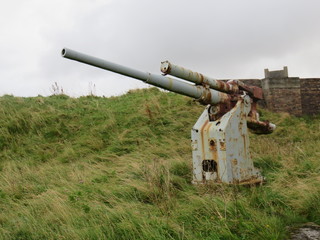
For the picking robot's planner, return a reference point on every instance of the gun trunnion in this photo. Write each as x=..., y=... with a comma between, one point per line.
x=219, y=139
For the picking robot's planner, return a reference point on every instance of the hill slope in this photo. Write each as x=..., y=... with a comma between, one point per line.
x=120, y=168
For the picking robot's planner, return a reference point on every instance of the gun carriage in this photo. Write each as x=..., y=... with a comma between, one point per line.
x=219, y=139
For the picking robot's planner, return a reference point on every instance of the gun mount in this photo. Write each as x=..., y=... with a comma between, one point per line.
x=219, y=139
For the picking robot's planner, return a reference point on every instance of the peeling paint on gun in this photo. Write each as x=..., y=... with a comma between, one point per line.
x=168, y=68
x=220, y=139
x=205, y=95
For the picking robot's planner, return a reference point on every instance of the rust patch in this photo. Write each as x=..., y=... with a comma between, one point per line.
x=254, y=92
x=202, y=137
x=222, y=86
x=194, y=145
x=259, y=127
x=222, y=145
x=201, y=78
x=234, y=162
x=223, y=107
x=206, y=97
x=226, y=87
x=212, y=145
x=213, y=149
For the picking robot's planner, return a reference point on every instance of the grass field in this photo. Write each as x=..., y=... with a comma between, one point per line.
x=120, y=168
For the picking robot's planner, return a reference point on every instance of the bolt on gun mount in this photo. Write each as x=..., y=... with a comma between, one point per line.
x=219, y=139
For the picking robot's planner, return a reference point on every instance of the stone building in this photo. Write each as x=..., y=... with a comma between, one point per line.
x=297, y=96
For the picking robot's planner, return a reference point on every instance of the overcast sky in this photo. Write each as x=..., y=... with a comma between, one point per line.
x=222, y=39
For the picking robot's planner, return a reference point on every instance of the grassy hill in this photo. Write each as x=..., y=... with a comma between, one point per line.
x=120, y=168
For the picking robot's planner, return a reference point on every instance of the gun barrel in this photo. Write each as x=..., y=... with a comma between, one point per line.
x=197, y=78
x=204, y=95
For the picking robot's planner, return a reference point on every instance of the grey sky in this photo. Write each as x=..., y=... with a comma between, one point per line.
x=222, y=39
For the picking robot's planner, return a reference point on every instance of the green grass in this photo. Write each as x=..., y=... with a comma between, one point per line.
x=120, y=168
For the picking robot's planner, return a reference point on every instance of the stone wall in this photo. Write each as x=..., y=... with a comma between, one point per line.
x=283, y=95
x=297, y=96
x=310, y=95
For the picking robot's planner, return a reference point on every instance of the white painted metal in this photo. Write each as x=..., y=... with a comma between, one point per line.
x=220, y=149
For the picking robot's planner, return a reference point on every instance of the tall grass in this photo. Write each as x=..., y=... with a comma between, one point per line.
x=120, y=168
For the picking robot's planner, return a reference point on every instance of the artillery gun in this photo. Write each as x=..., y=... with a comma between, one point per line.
x=219, y=139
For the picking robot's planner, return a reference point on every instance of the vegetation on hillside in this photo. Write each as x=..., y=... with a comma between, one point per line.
x=120, y=168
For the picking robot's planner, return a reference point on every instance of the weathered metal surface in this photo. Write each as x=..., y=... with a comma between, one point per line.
x=220, y=141
x=259, y=127
x=224, y=143
x=203, y=94
x=255, y=92
x=197, y=78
